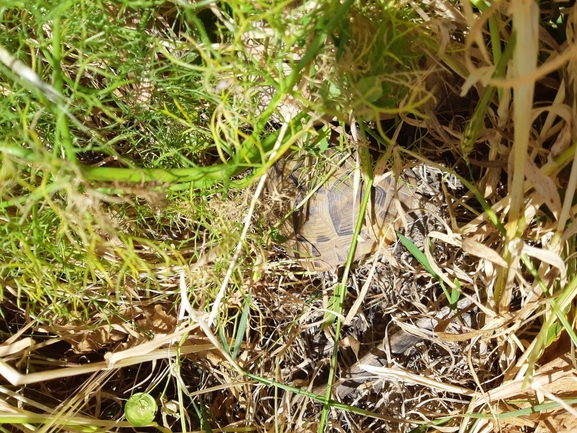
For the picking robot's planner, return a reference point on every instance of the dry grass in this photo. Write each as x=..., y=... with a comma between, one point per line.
x=141, y=250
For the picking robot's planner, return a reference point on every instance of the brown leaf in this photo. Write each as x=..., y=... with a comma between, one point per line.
x=544, y=186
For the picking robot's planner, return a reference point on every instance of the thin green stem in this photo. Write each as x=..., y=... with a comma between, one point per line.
x=62, y=138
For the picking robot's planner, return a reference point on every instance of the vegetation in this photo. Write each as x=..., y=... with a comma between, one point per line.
x=144, y=277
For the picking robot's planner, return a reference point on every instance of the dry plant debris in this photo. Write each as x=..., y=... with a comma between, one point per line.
x=141, y=250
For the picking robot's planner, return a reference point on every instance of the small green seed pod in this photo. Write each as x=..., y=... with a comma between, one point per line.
x=140, y=409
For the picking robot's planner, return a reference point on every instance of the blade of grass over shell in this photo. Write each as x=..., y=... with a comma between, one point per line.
x=366, y=180
x=336, y=301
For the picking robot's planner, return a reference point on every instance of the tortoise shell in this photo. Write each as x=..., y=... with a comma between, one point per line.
x=321, y=228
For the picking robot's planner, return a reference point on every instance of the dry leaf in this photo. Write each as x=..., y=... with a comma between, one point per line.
x=546, y=256
x=558, y=377
x=158, y=322
x=545, y=186
x=478, y=249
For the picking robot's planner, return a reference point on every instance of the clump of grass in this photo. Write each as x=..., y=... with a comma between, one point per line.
x=98, y=107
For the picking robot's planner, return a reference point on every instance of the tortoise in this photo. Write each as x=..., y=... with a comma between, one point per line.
x=320, y=230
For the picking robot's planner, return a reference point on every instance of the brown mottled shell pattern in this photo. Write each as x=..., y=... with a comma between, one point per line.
x=320, y=232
